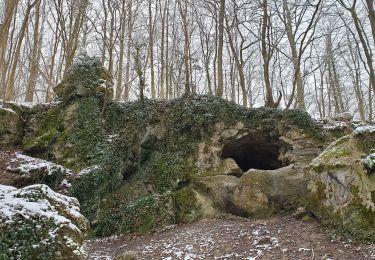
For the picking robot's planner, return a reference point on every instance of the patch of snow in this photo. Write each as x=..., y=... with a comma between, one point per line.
x=7, y=109
x=89, y=170
x=335, y=125
x=38, y=203
x=369, y=162
x=364, y=129
x=27, y=164
x=111, y=138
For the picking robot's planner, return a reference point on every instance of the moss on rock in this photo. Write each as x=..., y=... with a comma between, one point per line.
x=37, y=223
x=145, y=151
x=341, y=191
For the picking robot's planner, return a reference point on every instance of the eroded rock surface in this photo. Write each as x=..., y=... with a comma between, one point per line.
x=10, y=126
x=342, y=189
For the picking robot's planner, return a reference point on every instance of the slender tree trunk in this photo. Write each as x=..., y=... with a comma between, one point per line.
x=220, y=77
x=73, y=40
x=371, y=15
x=35, y=55
x=128, y=52
x=151, y=49
x=119, y=87
x=11, y=88
x=269, y=102
x=9, y=12
x=162, y=48
x=183, y=14
x=239, y=67
x=366, y=48
x=297, y=81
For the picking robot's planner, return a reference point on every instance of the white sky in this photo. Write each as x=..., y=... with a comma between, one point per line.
x=2, y=8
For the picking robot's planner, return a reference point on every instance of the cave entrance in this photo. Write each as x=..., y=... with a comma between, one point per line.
x=255, y=151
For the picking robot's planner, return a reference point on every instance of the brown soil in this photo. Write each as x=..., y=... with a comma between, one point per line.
x=276, y=238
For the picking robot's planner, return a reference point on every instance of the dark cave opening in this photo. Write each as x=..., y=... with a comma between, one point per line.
x=255, y=151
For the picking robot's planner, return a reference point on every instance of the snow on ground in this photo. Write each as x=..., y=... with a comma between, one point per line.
x=277, y=238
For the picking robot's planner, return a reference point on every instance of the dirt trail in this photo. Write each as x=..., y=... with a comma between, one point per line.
x=276, y=238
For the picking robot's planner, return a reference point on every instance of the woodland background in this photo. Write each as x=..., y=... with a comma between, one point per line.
x=312, y=55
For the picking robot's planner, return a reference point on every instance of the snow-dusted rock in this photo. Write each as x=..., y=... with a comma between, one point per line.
x=344, y=117
x=37, y=223
x=363, y=129
x=369, y=163
x=87, y=77
x=34, y=170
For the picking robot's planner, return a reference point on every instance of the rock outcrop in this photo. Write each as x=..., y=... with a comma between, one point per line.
x=145, y=165
x=37, y=223
x=342, y=185
x=10, y=126
x=87, y=77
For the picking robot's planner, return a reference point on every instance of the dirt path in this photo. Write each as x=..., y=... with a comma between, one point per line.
x=276, y=238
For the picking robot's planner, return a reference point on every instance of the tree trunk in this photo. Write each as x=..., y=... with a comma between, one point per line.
x=119, y=87
x=220, y=77
x=269, y=102
x=35, y=55
x=183, y=14
x=9, y=12
x=297, y=81
x=371, y=15
x=151, y=49
x=10, y=89
x=239, y=67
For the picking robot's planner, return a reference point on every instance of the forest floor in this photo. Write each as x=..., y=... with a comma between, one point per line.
x=233, y=238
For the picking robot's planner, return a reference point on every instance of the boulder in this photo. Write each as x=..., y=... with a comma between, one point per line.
x=257, y=193
x=87, y=77
x=342, y=186
x=28, y=170
x=37, y=223
x=10, y=126
x=344, y=117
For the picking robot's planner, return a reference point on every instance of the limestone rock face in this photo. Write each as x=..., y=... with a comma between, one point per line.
x=342, y=191
x=10, y=126
x=257, y=193
x=155, y=163
x=38, y=223
x=87, y=77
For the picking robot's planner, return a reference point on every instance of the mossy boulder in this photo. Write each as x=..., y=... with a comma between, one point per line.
x=257, y=193
x=37, y=223
x=341, y=189
x=87, y=77
x=10, y=126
